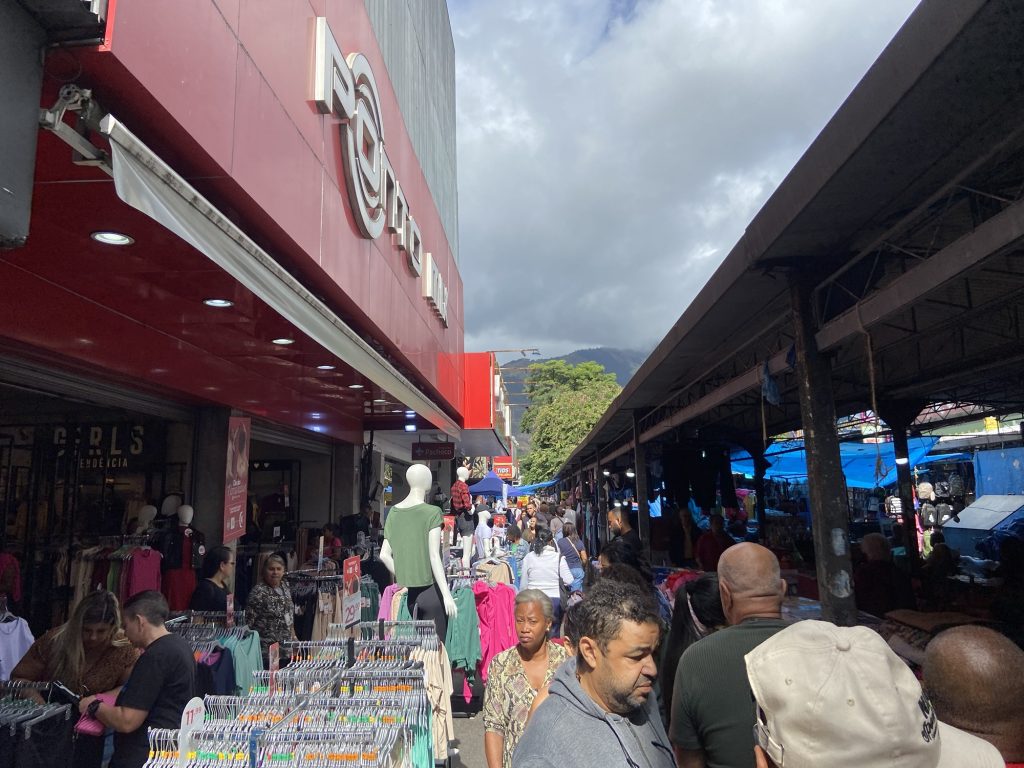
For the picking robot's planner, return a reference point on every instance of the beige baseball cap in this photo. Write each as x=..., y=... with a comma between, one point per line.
x=839, y=696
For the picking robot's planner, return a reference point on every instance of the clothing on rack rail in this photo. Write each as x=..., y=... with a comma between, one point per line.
x=495, y=607
x=463, y=640
x=15, y=640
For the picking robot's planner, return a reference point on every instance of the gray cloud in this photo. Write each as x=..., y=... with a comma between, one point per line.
x=611, y=152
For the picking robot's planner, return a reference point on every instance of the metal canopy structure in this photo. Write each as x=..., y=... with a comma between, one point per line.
x=906, y=214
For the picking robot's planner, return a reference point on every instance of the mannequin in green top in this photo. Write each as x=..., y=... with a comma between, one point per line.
x=412, y=552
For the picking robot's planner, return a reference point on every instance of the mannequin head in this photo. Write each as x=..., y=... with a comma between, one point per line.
x=185, y=514
x=419, y=479
x=463, y=473
x=146, y=517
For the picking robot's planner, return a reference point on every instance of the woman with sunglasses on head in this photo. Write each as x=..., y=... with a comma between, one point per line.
x=89, y=654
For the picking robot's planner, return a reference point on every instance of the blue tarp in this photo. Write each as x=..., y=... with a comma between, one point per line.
x=866, y=465
x=999, y=472
x=526, y=490
x=489, y=485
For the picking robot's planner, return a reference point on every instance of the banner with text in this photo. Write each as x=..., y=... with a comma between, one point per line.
x=236, y=478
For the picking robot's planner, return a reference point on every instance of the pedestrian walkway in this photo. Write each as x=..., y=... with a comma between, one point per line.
x=469, y=739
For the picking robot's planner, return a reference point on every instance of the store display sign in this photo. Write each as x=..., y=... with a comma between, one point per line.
x=433, y=451
x=192, y=718
x=344, y=86
x=124, y=446
x=236, y=478
x=352, y=601
x=503, y=468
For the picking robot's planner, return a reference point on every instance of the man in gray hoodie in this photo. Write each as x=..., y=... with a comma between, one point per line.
x=601, y=708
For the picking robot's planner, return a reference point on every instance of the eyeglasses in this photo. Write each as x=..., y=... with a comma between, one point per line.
x=763, y=739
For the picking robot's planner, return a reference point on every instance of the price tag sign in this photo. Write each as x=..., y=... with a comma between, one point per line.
x=192, y=718
x=352, y=602
x=273, y=663
x=229, y=619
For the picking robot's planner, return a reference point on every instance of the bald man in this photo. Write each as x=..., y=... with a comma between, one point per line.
x=618, y=524
x=974, y=677
x=712, y=715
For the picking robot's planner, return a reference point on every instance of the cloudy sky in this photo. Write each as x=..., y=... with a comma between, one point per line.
x=611, y=152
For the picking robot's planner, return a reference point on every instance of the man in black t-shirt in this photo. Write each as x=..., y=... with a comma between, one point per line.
x=160, y=686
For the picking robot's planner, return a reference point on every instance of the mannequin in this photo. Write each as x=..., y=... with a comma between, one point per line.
x=183, y=548
x=412, y=551
x=144, y=522
x=465, y=520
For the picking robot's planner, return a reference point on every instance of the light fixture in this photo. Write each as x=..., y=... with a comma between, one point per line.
x=218, y=303
x=606, y=472
x=325, y=367
x=316, y=415
x=380, y=400
x=410, y=427
x=112, y=238
x=901, y=460
x=410, y=414
x=283, y=341
x=618, y=503
x=355, y=386
x=396, y=410
x=630, y=473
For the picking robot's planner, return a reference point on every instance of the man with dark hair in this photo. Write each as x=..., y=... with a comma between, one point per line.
x=712, y=717
x=160, y=686
x=601, y=708
x=619, y=525
x=974, y=677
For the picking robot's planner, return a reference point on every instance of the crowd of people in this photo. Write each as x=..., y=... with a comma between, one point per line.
x=722, y=680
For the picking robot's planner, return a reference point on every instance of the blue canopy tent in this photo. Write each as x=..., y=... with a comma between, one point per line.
x=490, y=485
x=526, y=490
x=866, y=465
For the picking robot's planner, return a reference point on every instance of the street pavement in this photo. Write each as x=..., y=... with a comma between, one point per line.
x=469, y=739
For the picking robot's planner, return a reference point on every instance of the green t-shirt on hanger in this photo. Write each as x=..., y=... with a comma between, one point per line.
x=406, y=530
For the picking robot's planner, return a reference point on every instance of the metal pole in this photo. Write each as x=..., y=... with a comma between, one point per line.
x=640, y=467
x=826, y=483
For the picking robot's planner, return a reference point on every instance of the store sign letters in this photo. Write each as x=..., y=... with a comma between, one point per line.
x=345, y=88
x=105, y=446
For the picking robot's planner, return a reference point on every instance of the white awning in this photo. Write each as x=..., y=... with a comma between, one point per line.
x=148, y=184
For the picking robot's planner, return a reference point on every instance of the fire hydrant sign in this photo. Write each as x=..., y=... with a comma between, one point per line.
x=352, y=602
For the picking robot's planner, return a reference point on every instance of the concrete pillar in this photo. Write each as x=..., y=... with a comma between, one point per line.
x=898, y=415
x=345, y=499
x=640, y=467
x=209, y=462
x=825, y=482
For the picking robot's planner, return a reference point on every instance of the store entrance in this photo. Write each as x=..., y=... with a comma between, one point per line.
x=74, y=475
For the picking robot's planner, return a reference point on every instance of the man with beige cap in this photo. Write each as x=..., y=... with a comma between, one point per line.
x=839, y=696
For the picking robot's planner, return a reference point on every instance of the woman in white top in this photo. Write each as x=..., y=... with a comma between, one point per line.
x=542, y=569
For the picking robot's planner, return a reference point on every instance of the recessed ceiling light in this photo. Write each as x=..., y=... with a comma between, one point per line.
x=218, y=303
x=355, y=386
x=316, y=415
x=410, y=414
x=380, y=400
x=112, y=238
x=284, y=342
x=325, y=367
x=410, y=427
x=397, y=410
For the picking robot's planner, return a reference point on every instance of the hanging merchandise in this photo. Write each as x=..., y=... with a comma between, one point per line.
x=377, y=701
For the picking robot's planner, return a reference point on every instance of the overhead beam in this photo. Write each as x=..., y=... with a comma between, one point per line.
x=958, y=257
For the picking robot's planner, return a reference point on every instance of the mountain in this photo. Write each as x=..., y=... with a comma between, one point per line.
x=622, y=362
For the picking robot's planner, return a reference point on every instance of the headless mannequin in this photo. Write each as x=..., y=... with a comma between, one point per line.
x=435, y=600
x=183, y=553
x=466, y=541
x=145, y=519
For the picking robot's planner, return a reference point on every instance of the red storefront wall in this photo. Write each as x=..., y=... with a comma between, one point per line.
x=222, y=91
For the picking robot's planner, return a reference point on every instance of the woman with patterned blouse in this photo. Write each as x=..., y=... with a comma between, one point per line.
x=515, y=675
x=270, y=610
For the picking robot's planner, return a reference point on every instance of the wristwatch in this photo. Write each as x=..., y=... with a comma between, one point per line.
x=93, y=708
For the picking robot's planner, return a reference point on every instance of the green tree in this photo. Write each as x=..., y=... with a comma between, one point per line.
x=551, y=378
x=570, y=401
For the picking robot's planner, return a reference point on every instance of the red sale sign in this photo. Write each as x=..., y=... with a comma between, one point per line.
x=352, y=601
